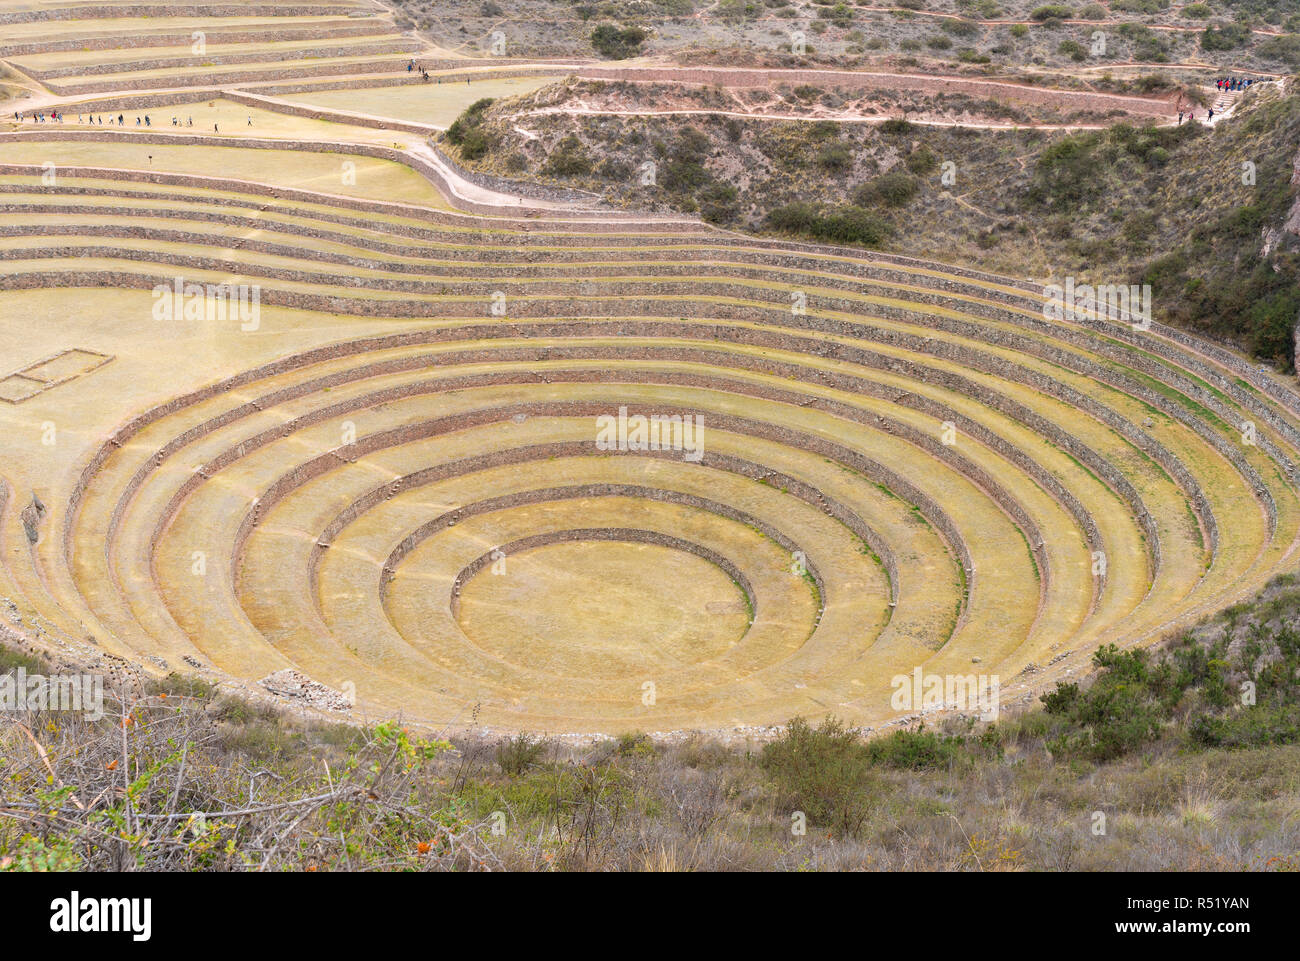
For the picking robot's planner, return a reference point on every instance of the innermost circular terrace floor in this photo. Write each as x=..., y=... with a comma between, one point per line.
x=604, y=609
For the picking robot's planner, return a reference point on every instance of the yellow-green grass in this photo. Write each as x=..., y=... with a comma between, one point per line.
x=406, y=648
x=372, y=63
x=71, y=58
x=375, y=179
x=231, y=122
x=136, y=26
x=433, y=103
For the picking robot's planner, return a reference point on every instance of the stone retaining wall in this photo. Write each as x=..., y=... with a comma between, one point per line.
x=957, y=353
x=127, y=11
x=377, y=47
x=635, y=535
x=270, y=32
x=204, y=79
x=534, y=191
x=430, y=172
x=367, y=83
x=532, y=453
x=424, y=430
x=1032, y=346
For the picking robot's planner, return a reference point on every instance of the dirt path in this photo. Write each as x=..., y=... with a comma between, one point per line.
x=590, y=112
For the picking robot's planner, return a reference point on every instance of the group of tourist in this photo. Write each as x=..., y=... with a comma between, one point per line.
x=119, y=120
x=94, y=120
x=413, y=67
x=1234, y=83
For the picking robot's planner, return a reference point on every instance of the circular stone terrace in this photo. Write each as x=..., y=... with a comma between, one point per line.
x=557, y=468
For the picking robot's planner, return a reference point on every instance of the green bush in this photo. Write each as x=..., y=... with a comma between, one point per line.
x=918, y=750
x=1139, y=6
x=568, y=159
x=835, y=158
x=921, y=160
x=825, y=772
x=1285, y=49
x=848, y=225
x=467, y=133
x=894, y=189
x=684, y=169
x=1194, y=685
x=1073, y=49
x=1226, y=37
x=1051, y=11
x=618, y=44
x=719, y=203
x=1068, y=173
x=960, y=28
x=515, y=755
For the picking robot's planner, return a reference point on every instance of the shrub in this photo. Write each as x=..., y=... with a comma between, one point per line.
x=685, y=168
x=921, y=160
x=1285, y=49
x=1073, y=49
x=1226, y=37
x=853, y=225
x=894, y=189
x=1068, y=173
x=825, y=772
x=609, y=41
x=515, y=755
x=719, y=203
x=917, y=750
x=960, y=28
x=849, y=225
x=1139, y=6
x=835, y=158
x=1051, y=11
x=568, y=159
x=467, y=133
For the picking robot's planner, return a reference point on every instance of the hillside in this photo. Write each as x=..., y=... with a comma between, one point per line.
x=1168, y=206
